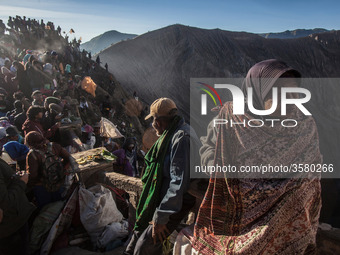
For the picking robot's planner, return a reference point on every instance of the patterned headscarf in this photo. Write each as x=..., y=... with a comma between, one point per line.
x=262, y=77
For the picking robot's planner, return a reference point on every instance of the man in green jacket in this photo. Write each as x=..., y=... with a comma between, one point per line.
x=16, y=210
x=165, y=200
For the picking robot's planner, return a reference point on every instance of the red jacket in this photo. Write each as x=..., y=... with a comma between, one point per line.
x=34, y=163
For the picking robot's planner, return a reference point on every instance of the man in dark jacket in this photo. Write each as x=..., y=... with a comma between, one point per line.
x=16, y=211
x=164, y=201
x=19, y=120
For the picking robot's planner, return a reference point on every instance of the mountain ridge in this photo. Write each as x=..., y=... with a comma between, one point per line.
x=296, y=33
x=102, y=41
x=105, y=40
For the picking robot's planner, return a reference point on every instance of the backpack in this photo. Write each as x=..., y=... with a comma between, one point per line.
x=52, y=170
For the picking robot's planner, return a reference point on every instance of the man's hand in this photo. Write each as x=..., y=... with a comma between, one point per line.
x=160, y=232
x=1, y=214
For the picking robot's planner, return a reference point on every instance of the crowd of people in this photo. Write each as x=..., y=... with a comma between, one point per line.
x=43, y=110
x=236, y=216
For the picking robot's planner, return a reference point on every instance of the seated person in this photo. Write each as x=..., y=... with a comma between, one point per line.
x=127, y=157
x=17, y=109
x=41, y=149
x=52, y=116
x=37, y=98
x=87, y=137
x=21, y=97
x=14, y=135
x=18, y=153
x=33, y=123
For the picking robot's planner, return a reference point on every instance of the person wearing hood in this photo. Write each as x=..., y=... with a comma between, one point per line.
x=39, y=145
x=97, y=135
x=87, y=137
x=127, y=158
x=256, y=213
x=17, y=152
x=33, y=123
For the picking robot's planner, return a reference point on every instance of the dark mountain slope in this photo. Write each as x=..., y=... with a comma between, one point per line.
x=161, y=62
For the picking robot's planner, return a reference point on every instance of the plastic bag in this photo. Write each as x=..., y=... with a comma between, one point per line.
x=115, y=230
x=97, y=209
x=89, y=85
x=108, y=129
x=183, y=241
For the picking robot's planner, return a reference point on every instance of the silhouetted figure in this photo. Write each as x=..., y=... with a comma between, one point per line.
x=106, y=67
x=42, y=24
x=2, y=27
x=98, y=60
x=10, y=22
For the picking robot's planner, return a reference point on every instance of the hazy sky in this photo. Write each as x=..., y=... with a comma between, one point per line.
x=90, y=18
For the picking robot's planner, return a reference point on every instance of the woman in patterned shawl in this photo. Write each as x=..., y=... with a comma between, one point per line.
x=260, y=214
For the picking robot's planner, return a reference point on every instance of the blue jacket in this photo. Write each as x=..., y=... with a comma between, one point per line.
x=176, y=172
